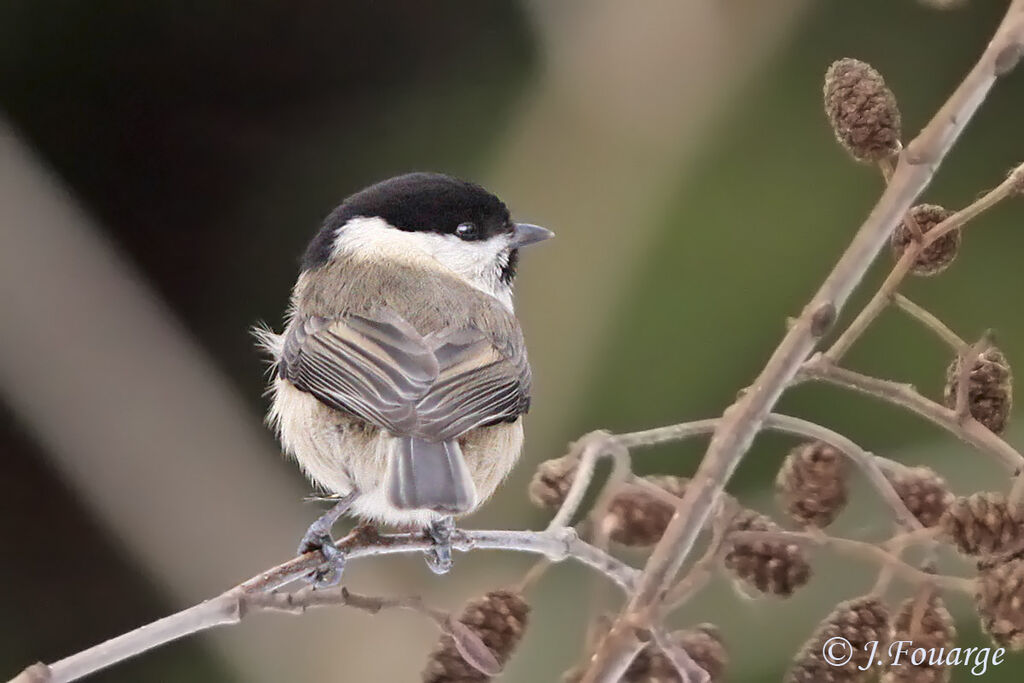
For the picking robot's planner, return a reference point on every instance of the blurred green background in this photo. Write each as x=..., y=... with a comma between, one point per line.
x=164, y=163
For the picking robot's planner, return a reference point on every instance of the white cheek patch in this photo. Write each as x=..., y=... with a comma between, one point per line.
x=478, y=263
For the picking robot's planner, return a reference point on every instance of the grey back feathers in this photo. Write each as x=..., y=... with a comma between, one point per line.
x=381, y=370
x=415, y=352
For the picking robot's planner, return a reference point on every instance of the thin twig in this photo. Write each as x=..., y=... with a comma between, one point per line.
x=688, y=670
x=931, y=322
x=874, y=307
x=742, y=421
x=864, y=460
x=703, y=568
x=860, y=550
x=966, y=357
x=901, y=269
x=896, y=546
x=905, y=395
x=228, y=608
x=588, y=450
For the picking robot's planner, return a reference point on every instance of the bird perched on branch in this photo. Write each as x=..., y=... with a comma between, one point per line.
x=400, y=380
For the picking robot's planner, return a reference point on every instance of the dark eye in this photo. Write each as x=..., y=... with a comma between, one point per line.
x=467, y=231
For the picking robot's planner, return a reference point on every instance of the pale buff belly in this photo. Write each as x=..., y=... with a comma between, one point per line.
x=343, y=455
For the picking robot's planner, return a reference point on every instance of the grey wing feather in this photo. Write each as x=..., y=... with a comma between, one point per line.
x=383, y=371
x=376, y=369
x=478, y=384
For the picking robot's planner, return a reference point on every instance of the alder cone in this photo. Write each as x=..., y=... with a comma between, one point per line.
x=702, y=643
x=938, y=255
x=989, y=388
x=773, y=567
x=862, y=110
x=550, y=483
x=983, y=523
x=999, y=599
x=811, y=484
x=923, y=491
x=860, y=621
x=498, y=618
x=936, y=629
x=639, y=518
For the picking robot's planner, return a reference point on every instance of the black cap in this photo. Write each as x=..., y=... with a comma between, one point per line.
x=416, y=202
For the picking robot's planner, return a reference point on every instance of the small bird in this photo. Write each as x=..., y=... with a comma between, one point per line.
x=401, y=377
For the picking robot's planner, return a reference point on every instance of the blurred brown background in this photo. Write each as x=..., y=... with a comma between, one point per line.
x=162, y=165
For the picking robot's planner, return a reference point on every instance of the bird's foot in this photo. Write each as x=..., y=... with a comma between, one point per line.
x=329, y=573
x=439, y=557
x=318, y=537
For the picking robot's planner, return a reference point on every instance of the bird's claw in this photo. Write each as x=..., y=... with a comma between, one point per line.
x=318, y=537
x=439, y=557
x=329, y=573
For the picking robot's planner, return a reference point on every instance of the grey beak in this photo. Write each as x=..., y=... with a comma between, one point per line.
x=525, y=234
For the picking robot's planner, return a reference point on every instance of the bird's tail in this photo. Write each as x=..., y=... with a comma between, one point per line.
x=425, y=475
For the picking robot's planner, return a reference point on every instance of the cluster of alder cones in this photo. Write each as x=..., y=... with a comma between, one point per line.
x=812, y=490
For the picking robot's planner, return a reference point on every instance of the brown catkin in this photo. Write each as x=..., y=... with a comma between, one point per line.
x=983, y=523
x=923, y=491
x=860, y=621
x=550, y=483
x=706, y=648
x=999, y=599
x=702, y=643
x=638, y=518
x=770, y=566
x=862, y=110
x=811, y=484
x=498, y=618
x=938, y=255
x=989, y=388
x=925, y=622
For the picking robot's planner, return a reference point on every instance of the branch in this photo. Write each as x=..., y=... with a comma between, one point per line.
x=742, y=421
x=886, y=292
x=868, y=463
x=588, y=449
x=926, y=318
x=688, y=670
x=864, y=551
x=230, y=607
x=966, y=429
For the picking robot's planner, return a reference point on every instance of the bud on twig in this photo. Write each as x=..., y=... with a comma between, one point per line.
x=923, y=491
x=983, y=523
x=811, y=484
x=999, y=600
x=990, y=388
x=862, y=110
x=860, y=622
x=498, y=618
x=938, y=255
x=925, y=622
x=637, y=518
x=551, y=482
x=770, y=566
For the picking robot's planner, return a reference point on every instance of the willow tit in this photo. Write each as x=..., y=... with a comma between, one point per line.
x=401, y=378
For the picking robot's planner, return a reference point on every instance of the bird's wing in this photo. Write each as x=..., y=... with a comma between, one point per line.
x=479, y=383
x=376, y=368
x=381, y=370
